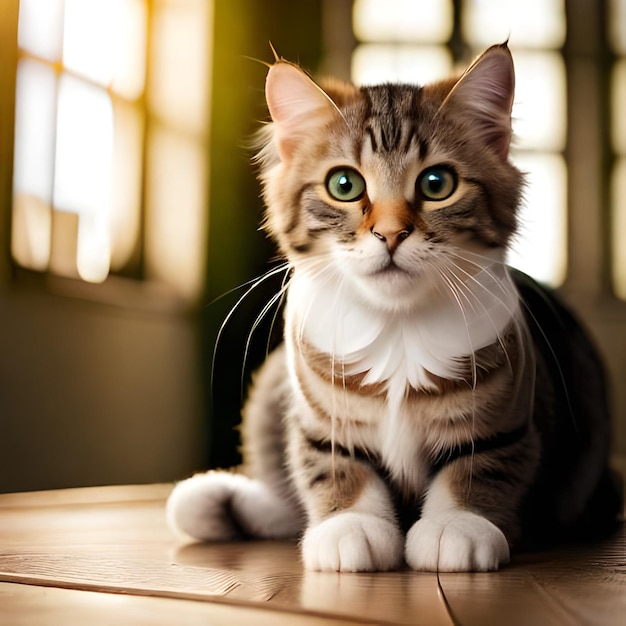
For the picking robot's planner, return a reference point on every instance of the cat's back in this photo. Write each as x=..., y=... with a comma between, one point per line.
x=572, y=413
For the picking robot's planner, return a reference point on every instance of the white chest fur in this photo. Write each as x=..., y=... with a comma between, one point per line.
x=400, y=348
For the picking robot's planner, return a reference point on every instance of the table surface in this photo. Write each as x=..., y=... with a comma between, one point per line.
x=104, y=555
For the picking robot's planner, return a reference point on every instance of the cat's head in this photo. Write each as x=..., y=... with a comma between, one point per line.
x=386, y=187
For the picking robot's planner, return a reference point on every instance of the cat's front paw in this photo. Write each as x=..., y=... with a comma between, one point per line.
x=456, y=541
x=352, y=542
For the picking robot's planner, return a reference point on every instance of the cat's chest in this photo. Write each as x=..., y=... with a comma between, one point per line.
x=398, y=350
x=392, y=384
x=401, y=429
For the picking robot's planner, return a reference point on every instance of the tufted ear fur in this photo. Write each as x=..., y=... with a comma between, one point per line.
x=296, y=104
x=485, y=94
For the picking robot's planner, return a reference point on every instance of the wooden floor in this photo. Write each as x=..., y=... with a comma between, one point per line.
x=104, y=556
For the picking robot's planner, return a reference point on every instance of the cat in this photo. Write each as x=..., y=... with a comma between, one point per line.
x=429, y=405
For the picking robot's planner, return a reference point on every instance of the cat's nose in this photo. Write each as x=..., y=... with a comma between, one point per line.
x=390, y=221
x=391, y=234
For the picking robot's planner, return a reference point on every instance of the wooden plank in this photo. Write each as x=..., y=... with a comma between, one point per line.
x=508, y=597
x=86, y=495
x=116, y=543
x=570, y=585
x=115, y=540
x=45, y=606
x=588, y=581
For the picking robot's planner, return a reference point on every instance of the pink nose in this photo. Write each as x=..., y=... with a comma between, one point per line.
x=391, y=235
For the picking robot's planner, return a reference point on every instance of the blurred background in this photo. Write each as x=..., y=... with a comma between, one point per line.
x=129, y=209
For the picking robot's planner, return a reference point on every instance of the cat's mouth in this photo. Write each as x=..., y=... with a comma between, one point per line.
x=390, y=269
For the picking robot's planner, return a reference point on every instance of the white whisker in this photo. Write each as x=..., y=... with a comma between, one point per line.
x=276, y=298
x=254, y=283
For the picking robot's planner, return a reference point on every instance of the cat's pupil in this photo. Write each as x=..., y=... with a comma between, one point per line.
x=344, y=184
x=435, y=183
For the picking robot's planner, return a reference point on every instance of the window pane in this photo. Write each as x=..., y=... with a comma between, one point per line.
x=412, y=21
x=104, y=40
x=540, y=246
x=84, y=153
x=131, y=47
x=33, y=164
x=528, y=24
x=40, y=28
x=377, y=63
x=619, y=228
x=84, y=168
x=88, y=38
x=175, y=211
x=540, y=111
x=178, y=91
x=616, y=16
x=34, y=129
x=618, y=105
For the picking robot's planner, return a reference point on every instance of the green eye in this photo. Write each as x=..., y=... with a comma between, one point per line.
x=345, y=184
x=437, y=183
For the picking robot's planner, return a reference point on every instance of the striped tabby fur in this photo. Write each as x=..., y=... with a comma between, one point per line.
x=419, y=409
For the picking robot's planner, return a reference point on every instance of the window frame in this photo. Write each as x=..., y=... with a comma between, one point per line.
x=129, y=287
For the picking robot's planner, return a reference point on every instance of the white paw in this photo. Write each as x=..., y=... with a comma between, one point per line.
x=352, y=542
x=456, y=541
x=220, y=506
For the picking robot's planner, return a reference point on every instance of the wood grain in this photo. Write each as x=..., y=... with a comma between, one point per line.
x=63, y=549
x=46, y=606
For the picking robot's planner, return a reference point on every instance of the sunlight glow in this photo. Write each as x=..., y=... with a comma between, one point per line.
x=84, y=166
x=540, y=247
x=33, y=159
x=422, y=21
x=40, y=28
x=176, y=180
x=176, y=214
x=540, y=111
x=377, y=63
x=528, y=24
x=80, y=166
x=105, y=41
x=34, y=129
x=67, y=136
x=178, y=90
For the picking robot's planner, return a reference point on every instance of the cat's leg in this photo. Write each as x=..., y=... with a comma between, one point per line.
x=352, y=524
x=259, y=502
x=470, y=514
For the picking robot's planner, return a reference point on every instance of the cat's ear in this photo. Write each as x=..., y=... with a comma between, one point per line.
x=485, y=92
x=296, y=104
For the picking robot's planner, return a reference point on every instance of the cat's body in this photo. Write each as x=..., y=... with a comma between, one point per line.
x=419, y=408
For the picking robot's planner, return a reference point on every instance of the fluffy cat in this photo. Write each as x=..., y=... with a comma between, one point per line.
x=429, y=405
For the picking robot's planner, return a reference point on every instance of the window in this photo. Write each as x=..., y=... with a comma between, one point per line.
x=413, y=41
x=617, y=39
x=111, y=140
